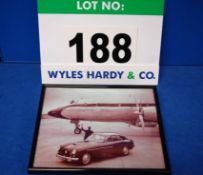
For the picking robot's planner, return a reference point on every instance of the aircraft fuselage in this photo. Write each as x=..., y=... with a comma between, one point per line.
x=106, y=112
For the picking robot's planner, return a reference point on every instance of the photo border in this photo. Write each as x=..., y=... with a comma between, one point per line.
x=150, y=171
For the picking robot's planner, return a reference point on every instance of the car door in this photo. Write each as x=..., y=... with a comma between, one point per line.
x=118, y=144
x=106, y=150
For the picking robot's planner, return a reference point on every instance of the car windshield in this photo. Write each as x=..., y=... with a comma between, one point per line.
x=96, y=138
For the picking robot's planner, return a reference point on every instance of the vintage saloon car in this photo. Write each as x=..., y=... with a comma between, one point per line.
x=98, y=145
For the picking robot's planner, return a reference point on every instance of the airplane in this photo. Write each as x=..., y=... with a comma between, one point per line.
x=138, y=114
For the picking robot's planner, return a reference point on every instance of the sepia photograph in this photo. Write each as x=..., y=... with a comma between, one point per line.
x=98, y=128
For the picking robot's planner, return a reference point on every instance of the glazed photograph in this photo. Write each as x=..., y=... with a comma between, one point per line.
x=98, y=128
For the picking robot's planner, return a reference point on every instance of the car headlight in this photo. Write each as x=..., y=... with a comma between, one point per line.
x=74, y=151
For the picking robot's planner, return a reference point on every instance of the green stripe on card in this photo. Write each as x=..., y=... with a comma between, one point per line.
x=117, y=7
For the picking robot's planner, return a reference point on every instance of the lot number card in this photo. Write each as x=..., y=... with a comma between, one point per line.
x=109, y=42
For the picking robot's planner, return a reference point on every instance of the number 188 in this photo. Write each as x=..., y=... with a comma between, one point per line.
x=99, y=42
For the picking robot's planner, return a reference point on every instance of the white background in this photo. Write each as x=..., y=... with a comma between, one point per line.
x=56, y=30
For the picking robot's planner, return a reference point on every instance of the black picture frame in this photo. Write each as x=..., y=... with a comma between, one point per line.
x=32, y=169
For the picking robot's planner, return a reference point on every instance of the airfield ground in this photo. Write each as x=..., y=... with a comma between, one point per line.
x=147, y=152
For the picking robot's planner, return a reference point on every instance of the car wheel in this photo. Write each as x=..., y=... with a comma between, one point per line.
x=86, y=158
x=77, y=130
x=125, y=150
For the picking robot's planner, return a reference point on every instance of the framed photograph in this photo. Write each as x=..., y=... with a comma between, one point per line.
x=91, y=128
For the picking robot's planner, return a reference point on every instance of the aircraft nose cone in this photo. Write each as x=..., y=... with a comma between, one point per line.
x=55, y=114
